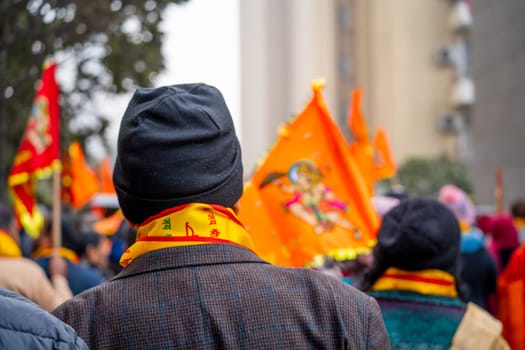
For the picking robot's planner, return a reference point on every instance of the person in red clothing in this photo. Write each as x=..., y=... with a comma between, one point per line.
x=504, y=239
x=517, y=210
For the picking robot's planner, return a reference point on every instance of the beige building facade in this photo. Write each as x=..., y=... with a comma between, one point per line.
x=385, y=47
x=404, y=89
x=498, y=115
x=284, y=45
x=396, y=52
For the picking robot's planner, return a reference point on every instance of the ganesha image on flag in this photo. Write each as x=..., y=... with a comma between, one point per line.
x=38, y=125
x=310, y=199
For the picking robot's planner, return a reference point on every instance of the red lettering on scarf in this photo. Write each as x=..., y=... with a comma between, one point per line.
x=211, y=219
x=189, y=230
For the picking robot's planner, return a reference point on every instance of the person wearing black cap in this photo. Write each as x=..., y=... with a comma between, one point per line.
x=79, y=277
x=415, y=279
x=191, y=279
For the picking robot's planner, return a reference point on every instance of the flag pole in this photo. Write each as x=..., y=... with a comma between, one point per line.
x=57, y=232
x=498, y=192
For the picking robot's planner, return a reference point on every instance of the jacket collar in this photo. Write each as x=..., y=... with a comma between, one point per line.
x=189, y=256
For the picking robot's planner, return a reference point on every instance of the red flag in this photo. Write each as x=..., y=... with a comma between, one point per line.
x=312, y=191
x=39, y=152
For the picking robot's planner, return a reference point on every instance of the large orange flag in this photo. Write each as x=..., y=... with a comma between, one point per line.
x=39, y=152
x=384, y=164
x=312, y=191
x=256, y=219
x=83, y=182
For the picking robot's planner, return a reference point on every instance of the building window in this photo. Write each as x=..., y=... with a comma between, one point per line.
x=342, y=17
x=344, y=65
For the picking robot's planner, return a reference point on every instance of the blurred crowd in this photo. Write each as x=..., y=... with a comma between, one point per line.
x=490, y=271
x=440, y=276
x=92, y=242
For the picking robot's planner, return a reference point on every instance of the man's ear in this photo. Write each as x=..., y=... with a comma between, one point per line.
x=89, y=250
x=131, y=224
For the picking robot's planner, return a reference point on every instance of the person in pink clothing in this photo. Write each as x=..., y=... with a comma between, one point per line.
x=478, y=268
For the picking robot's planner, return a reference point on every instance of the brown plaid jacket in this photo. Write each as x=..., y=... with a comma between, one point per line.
x=222, y=296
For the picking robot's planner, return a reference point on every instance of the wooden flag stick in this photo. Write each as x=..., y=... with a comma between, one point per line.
x=498, y=193
x=57, y=232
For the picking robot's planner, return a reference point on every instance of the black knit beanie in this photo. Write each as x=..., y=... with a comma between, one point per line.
x=176, y=145
x=417, y=234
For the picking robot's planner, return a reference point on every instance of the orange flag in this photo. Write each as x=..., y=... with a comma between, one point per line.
x=356, y=121
x=256, y=219
x=360, y=148
x=109, y=225
x=384, y=164
x=38, y=154
x=312, y=191
x=84, y=181
x=105, y=175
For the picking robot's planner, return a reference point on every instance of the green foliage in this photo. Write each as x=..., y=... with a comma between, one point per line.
x=111, y=46
x=424, y=176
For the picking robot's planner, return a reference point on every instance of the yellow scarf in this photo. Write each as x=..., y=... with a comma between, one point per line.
x=190, y=224
x=46, y=252
x=464, y=226
x=8, y=246
x=430, y=282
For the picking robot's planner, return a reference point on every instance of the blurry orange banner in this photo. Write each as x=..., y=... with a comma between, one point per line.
x=109, y=225
x=84, y=181
x=384, y=164
x=39, y=152
x=374, y=160
x=312, y=192
x=356, y=121
x=360, y=147
x=105, y=174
